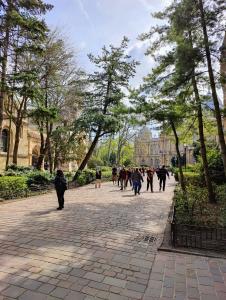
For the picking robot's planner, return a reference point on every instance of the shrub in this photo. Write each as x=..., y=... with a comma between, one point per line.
x=13, y=187
x=106, y=169
x=195, y=179
x=95, y=162
x=19, y=168
x=81, y=180
x=39, y=178
x=198, y=211
x=107, y=175
x=216, y=167
x=86, y=176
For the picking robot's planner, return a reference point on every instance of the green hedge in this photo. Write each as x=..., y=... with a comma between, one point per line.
x=195, y=179
x=86, y=176
x=13, y=187
x=39, y=178
x=107, y=175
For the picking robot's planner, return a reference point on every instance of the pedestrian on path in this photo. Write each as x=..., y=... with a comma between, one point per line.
x=114, y=175
x=123, y=178
x=98, y=178
x=61, y=186
x=128, y=178
x=162, y=177
x=150, y=175
x=137, y=178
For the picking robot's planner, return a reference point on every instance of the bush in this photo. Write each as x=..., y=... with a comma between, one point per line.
x=194, y=179
x=13, y=187
x=195, y=209
x=14, y=170
x=39, y=178
x=221, y=199
x=216, y=167
x=20, y=169
x=107, y=175
x=106, y=169
x=95, y=162
x=85, y=177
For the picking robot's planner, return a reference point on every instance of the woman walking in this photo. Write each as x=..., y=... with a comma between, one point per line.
x=60, y=186
x=98, y=178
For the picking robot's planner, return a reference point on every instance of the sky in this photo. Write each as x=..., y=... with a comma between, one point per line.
x=88, y=25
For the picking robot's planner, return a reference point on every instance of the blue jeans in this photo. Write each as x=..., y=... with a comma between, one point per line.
x=136, y=187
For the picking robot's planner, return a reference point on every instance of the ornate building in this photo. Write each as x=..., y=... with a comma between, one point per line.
x=29, y=146
x=149, y=151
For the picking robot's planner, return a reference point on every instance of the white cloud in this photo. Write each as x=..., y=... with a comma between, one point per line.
x=85, y=13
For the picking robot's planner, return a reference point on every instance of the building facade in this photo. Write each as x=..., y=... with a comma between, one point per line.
x=29, y=146
x=155, y=152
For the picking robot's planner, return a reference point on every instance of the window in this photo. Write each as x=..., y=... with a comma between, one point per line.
x=5, y=138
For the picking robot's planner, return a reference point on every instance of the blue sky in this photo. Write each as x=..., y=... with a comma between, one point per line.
x=90, y=24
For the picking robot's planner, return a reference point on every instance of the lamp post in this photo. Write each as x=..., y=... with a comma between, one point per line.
x=185, y=155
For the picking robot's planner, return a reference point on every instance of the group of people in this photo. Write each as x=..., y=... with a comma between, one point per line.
x=132, y=176
x=135, y=177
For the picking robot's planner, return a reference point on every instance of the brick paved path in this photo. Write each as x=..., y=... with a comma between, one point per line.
x=177, y=276
x=93, y=249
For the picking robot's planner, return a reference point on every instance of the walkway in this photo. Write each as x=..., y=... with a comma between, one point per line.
x=94, y=249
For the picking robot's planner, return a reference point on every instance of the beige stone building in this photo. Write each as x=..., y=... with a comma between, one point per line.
x=28, y=148
x=149, y=151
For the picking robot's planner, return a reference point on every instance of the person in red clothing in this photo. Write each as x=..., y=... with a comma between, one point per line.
x=150, y=174
x=123, y=178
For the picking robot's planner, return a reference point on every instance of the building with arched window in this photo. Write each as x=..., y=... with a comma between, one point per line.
x=149, y=151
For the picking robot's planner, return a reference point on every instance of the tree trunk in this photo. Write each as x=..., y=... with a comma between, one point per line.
x=88, y=154
x=208, y=181
x=16, y=143
x=10, y=127
x=4, y=64
x=42, y=152
x=182, y=181
x=49, y=146
x=213, y=87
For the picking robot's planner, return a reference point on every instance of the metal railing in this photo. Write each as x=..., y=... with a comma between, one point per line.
x=200, y=237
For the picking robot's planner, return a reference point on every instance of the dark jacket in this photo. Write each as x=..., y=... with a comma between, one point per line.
x=162, y=173
x=60, y=183
x=98, y=174
x=136, y=176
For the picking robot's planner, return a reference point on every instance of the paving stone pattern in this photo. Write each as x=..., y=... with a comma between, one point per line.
x=179, y=276
x=92, y=249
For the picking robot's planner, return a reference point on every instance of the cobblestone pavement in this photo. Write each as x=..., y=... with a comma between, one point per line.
x=178, y=276
x=93, y=249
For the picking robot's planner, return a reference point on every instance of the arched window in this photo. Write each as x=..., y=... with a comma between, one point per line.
x=5, y=139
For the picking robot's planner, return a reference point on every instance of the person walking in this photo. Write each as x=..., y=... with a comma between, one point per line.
x=98, y=178
x=137, y=178
x=162, y=173
x=123, y=177
x=61, y=186
x=114, y=175
x=128, y=178
x=150, y=174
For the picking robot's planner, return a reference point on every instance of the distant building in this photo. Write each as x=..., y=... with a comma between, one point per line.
x=149, y=151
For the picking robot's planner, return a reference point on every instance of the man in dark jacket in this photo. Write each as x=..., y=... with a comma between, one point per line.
x=162, y=172
x=60, y=186
x=123, y=177
x=137, y=179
